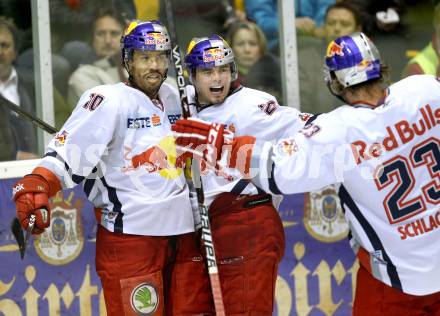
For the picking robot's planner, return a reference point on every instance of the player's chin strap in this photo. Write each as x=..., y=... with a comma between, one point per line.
x=200, y=106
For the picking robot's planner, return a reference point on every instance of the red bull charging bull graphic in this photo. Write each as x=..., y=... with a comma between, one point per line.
x=335, y=49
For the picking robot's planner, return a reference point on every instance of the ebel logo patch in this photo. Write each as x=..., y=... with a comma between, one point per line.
x=144, y=299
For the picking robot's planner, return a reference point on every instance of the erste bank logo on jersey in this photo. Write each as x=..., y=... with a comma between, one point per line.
x=144, y=122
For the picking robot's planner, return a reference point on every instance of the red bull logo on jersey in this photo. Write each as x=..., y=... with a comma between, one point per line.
x=398, y=134
x=155, y=39
x=153, y=159
x=335, y=49
x=212, y=54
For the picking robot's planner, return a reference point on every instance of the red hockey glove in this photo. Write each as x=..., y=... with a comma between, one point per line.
x=31, y=195
x=202, y=139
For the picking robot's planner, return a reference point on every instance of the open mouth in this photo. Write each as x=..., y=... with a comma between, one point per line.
x=217, y=89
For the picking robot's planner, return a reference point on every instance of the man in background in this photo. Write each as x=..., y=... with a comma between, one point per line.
x=340, y=19
x=107, y=30
x=17, y=136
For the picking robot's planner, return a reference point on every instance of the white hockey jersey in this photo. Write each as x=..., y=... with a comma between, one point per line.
x=388, y=161
x=110, y=125
x=246, y=112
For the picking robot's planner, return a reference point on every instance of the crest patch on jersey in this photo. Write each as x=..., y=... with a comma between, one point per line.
x=303, y=116
x=287, y=147
x=60, y=138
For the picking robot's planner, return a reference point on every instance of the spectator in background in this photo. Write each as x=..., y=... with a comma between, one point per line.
x=340, y=19
x=249, y=45
x=71, y=20
x=17, y=136
x=427, y=61
x=107, y=30
x=257, y=68
x=309, y=17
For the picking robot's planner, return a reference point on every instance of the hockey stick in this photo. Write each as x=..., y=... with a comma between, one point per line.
x=28, y=116
x=206, y=227
x=16, y=230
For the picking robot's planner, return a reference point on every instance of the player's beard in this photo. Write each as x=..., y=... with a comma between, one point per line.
x=150, y=86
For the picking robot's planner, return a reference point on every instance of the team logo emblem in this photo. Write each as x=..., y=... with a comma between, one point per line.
x=323, y=215
x=60, y=138
x=161, y=158
x=155, y=39
x=63, y=241
x=144, y=299
x=212, y=54
x=303, y=116
x=287, y=147
x=335, y=49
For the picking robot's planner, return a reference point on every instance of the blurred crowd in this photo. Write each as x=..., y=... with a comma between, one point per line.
x=85, y=42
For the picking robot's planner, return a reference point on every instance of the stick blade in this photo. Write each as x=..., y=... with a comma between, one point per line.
x=18, y=234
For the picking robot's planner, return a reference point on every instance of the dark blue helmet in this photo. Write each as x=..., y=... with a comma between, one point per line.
x=353, y=59
x=209, y=52
x=148, y=35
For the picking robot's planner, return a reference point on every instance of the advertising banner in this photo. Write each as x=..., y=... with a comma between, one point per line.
x=57, y=275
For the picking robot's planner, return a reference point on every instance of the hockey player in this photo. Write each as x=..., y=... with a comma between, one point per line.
x=115, y=143
x=384, y=149
x=248, y=267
